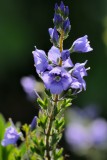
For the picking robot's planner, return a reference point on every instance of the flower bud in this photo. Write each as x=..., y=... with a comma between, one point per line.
x=66, y=13
x=62, y=7
x=54, y=35
x=66, y=26
x=33, y=123
x=65, y=54
x=56, y=8
x=57, y=20
x=64, y=10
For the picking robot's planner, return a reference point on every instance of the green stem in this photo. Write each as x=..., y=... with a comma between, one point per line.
x=27, y=146
x=51, y=117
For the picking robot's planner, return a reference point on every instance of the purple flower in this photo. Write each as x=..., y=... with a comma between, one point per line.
x=61, y=20
x=67, y=63
x=40, y=60
x=54, y=55
x=33, y=123
x=98, y=131
x=92, y=111
x=77, y=135
x=54, y=35
x=31, y=87
x=76, y=84
x=57, y=20
x=28, y=83
x=57, y=80
x=66, y=14
x=64, y=10
x=62, y=7
x=65, y=54
x=66, y=25
x=81, y=45
x=79, y=70
x=84, y=133
x=11, y=136
x=78, y=73
x=56, y=7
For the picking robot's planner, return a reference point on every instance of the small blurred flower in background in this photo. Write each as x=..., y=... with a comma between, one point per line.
x=31, y=87
x=86, y=132
x=11, y=136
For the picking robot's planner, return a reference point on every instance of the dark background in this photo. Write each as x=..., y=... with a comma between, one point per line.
x=24, y=24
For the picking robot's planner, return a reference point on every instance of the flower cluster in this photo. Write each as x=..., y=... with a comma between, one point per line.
x=57, y=69
x=86, y=130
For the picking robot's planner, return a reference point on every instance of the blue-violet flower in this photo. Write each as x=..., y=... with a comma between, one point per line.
x=78, y=73
x=57, y=20
x=54, y=55
x=65, y=54
x=11, y=136
x=54, y=35
x=40, y=60
x=62, y=7
x=66, y=14
x=66, y=26
x=81, y=45
x=57, y=80
x=33, y=123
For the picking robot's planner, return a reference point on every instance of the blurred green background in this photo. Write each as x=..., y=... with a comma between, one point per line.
x=24, y=24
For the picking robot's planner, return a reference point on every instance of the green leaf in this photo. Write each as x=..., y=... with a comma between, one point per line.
x=25, y=128
x=2, y=126
x=55, y=139
x=59, y=123
x=58, y=154
x=66, y=103
x=42, y=120
x=38, y=147
x=43, y=104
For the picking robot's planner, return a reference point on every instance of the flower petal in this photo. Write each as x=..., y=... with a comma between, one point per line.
x=11, y=136
x=54, y=55
x=68, y=63
x=56, y=87
x=82, y=45
x=41, y=62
